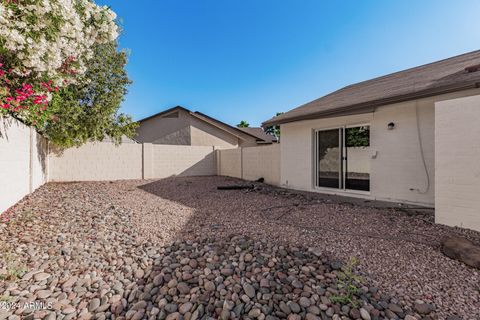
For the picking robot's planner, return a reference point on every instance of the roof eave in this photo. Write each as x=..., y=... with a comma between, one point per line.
x=223, y=126
x=164, y=112
x=369, y=105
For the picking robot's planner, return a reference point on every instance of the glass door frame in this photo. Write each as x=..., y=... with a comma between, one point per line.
x=342, y=159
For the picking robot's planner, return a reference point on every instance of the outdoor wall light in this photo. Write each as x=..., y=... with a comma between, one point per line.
x=391, y=126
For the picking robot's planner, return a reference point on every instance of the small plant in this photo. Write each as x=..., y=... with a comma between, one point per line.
x=348, y=283
x=14, y=217
x=12, y=270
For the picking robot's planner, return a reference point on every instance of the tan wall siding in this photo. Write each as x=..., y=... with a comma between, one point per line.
x=188, y=130
x=97, y=161
x=203, y=134
x=183, y=161
x=251, y=163
x=397, y=167
x=165, y=130
x=263, y=161
x=457, y=162
x=22, y=161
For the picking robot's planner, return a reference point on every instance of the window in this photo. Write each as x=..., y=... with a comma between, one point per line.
x=342, y=158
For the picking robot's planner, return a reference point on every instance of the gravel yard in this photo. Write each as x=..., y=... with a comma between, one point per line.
x=178, y=248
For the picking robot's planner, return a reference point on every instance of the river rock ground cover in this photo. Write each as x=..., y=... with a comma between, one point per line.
x=179, y=248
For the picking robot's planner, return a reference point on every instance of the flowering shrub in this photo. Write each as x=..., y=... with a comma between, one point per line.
x=44, y=45
x=53, y=38
x=23, y=100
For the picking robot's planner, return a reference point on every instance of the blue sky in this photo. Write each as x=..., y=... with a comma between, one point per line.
x=246, y=60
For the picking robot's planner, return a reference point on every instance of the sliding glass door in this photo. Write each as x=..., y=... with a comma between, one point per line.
x=329, y=155
x=342, y=158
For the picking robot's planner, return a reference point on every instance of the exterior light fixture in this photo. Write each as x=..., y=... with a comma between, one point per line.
x=391, y=126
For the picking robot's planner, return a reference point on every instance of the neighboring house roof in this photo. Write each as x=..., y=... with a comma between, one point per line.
x=260, y=134
x=124, y=139
x=203, y=117
x=453, y=74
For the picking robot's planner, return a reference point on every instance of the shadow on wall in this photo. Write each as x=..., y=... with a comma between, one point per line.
x=42, y=152
x=5, y=123
x=205, y=167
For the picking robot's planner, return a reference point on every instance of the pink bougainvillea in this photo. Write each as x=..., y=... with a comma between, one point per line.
x=24, y=100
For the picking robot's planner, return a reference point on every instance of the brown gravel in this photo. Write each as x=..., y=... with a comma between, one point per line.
x=398, y=249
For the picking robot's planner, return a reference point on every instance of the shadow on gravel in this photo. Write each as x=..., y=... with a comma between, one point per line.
x=267, y=206
x=265, y=253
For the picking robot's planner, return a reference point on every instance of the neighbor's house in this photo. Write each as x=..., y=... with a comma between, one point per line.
x=263, y=137
x=180, y=126
x=411, y=136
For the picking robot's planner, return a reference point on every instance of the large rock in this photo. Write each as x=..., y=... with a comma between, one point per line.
x=462, y=250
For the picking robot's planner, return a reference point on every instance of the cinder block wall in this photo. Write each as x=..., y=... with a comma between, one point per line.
x=262, y=161
x=26, y=162
x=183, y=161
x=97, y=161
x=105, y=161
x=23, y=161
x=457, y=165
x=229, y=162
x=251, y=163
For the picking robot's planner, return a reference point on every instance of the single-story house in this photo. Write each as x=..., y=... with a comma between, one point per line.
x=263, y=137
x=180, y=126
x=410, y=137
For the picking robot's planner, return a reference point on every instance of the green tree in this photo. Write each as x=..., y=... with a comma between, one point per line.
x=274, y=130
x=88, y=111
x=357, y=136
x=243, y=124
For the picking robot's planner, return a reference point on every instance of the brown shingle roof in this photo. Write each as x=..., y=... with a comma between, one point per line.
x=260, y=134
x=449, y=75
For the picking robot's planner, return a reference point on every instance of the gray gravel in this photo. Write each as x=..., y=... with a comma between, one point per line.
x=97, y=250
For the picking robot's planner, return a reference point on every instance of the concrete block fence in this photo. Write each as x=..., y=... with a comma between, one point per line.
x=102, y=161
x=27, y=162
x=23, y=161
x=251, y=163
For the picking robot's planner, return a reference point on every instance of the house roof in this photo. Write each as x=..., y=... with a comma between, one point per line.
x=449, y=75
x=161, y=113
x=260, y=134
x=203, y=117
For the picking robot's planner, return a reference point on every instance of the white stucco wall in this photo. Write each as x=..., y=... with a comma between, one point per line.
x=22, y=161
x=397, y=171
x=457, y=162
x=297, y=145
